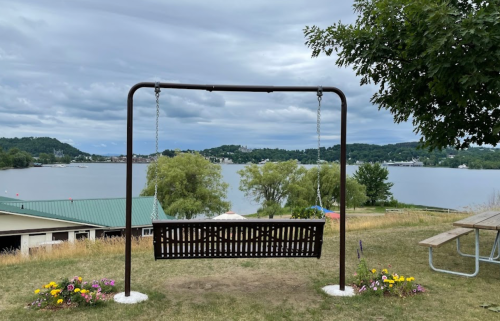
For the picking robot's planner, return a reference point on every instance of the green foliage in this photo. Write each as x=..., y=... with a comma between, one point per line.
x=306, y=213
x=269, y=184
x=373, y=177
x=474, y=157
x=37, y=145
x=188, y=185
x=15, y=158
x=304, y=194
x=270, y=208
x=436, y=62
x=355, y=193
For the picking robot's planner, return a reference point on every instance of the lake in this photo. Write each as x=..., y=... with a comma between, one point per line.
x=440, y=187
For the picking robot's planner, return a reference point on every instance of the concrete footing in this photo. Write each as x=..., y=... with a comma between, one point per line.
x=135, y=297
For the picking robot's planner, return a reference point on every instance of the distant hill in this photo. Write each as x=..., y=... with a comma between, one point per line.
x=37, y=145
x=474, y=157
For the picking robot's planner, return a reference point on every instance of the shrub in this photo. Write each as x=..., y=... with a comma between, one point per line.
x=307, y=213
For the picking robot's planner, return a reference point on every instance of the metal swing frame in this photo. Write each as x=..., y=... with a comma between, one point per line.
x=234, y=88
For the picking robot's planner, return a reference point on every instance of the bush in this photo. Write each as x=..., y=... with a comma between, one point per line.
x=307, y=213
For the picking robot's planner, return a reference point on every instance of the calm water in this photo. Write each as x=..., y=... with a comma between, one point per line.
x=441, y=187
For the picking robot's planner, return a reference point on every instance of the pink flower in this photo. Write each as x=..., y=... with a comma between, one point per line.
x=384, y=277
x=375, y=289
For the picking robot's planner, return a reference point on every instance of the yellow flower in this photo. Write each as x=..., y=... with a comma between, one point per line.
x=37, y=291
x=59, y=301
x=390, y=285
x=84, y=291
x=80, y=278
x=55, y=292
x=385, y=271
x=401, y=279
x=77, y=290
x=391, y=281
x=373, y=271
x=386, y=281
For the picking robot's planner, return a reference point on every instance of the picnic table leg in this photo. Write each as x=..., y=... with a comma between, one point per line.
x=476, y=256
x=484, y=258
x=495, y=246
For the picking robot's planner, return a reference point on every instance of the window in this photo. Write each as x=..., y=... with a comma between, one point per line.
x=147, y=231
x=81, y=235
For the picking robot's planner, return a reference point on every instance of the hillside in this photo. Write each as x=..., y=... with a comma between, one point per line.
x=476, y=157
x=37, y=145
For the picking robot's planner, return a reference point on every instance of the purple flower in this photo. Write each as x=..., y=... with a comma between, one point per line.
x=95, y=285
x=112, y=283
x=361, y=246
x=71, y=287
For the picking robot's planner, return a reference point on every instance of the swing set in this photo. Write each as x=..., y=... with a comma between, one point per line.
x=188, y=239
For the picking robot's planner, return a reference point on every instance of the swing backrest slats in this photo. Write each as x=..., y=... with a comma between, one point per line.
x=196, y=239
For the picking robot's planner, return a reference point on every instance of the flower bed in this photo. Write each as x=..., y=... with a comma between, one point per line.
x=73, y=292
x=371, y=281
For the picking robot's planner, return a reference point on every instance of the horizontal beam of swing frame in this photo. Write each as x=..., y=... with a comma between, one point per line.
x=239, y=88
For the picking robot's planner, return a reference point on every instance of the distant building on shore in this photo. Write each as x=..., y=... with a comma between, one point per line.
x=412, y=163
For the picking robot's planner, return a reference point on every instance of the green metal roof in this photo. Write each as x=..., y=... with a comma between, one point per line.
x=109, y=212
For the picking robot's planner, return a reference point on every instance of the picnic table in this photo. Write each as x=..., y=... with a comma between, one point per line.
x=484, y=221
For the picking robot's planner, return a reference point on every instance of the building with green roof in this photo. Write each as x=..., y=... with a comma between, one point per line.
x=29, y=224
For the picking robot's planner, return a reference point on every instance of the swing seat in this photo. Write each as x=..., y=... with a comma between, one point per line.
x=254, y=238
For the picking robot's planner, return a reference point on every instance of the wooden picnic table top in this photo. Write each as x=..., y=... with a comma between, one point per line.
x=487, y=221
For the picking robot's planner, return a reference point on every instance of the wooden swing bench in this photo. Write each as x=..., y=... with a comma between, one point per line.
x=253, y=238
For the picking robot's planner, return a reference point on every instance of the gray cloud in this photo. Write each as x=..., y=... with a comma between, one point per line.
x=67, y=67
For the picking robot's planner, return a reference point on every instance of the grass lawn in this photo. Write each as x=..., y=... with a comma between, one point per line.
x=268, y=289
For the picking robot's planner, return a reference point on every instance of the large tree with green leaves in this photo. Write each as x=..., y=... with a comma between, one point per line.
x=270, y=184
x=374, y=177
x=188, y=185
x=305, y=193
x=437, y=62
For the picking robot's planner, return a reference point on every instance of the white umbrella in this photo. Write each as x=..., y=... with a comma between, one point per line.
x=229, y=216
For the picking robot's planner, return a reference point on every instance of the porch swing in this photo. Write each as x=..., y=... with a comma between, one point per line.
x=183, y=239
x=251, y=238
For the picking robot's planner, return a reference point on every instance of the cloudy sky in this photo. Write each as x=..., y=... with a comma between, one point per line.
x=66, y=68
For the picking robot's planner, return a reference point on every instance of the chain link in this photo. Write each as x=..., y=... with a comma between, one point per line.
x=154, y=214
x=318, y=130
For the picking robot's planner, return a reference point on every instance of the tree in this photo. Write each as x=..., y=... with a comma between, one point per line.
x=188, y=185
x=355, y=193
x=305, y=194
x=373, y=176
x=269, y=184
x=437, y=63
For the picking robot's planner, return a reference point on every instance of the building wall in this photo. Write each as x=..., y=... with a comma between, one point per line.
x=16, y=222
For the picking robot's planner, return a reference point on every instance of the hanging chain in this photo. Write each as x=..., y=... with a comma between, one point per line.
x=318, y=130
x=154, y=214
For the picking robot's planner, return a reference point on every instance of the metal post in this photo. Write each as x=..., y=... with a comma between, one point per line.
x=268, y=89
x=343, y=160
